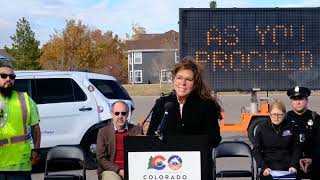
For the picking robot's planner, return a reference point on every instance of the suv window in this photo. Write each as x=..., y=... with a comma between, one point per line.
x=58, y=90
x=110, y=89
x=23, y=85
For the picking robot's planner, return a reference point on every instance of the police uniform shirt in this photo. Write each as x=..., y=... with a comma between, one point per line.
x=307, y=128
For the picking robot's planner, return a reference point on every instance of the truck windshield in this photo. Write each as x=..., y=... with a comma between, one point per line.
x=110, y=89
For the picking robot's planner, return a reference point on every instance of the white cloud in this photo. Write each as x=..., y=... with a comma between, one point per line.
x=156, y=16
x=232, y=3
x=114, y=15
x=306, y=3
x=38, y=13
x=45, y=16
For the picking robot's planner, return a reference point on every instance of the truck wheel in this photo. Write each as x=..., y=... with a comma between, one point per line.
x=89, y=148
x=253, y=126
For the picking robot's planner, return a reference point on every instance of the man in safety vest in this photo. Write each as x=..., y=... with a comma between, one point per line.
x=18, y=112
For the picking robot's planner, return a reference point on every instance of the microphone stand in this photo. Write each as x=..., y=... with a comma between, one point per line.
x=160, y=128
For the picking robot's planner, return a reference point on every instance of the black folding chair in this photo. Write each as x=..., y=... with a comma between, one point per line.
x=65, y=152
x=233, y=149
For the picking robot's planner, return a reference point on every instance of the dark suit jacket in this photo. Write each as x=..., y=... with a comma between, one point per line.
x=276, y=150
x=106, y=147
x=199, y=117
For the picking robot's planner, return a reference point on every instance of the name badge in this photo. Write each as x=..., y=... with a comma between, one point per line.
x=286, y=133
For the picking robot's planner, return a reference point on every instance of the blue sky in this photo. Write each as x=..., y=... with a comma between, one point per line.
x=46, y=16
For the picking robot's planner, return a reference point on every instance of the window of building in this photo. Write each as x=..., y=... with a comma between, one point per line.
x=176, y=57
x=138, y=76
x=130, y=58
x=130, y=77
x=138, y=58
x=166, y=76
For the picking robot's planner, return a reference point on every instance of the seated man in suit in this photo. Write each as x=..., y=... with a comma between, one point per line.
x=110, y=149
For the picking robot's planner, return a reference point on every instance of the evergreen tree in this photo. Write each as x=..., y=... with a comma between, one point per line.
x=150, y=166
x=25, y=48
x=213, y=4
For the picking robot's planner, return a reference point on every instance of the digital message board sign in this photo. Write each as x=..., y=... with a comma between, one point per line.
x=245, y=48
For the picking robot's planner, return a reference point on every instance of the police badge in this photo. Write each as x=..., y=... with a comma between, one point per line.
x=302, y=138
x=310, y=122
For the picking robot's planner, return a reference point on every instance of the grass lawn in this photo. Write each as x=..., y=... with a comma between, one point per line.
x=147, y=89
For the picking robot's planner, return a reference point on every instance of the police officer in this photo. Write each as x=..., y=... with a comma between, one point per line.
x=306, y=124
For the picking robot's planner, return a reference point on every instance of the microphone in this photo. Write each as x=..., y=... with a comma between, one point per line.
x=167, y=106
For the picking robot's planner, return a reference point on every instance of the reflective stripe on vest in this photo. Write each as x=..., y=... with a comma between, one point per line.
x=24, y=111
x=20, y=138
x=15, y=139
x=3, y=142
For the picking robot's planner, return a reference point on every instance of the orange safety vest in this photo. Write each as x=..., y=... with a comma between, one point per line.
x=15, y=145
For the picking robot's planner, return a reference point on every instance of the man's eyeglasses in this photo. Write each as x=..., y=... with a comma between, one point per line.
x=276, y=115
x=122, y=113
x=11, y=76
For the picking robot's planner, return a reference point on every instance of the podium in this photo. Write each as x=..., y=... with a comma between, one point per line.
x=175, y=157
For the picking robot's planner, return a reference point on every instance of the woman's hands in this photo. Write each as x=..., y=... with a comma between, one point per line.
x=267, y=172
x=292, y=170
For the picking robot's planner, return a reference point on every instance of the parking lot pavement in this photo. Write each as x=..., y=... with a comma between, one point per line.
x=91, y=174
x=232, y=106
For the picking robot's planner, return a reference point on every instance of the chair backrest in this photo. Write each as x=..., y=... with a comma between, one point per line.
x=65, y=152
x=63, y=177
x=233, y=149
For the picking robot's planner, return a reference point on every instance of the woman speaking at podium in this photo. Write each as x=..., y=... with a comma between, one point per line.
x=190, y=109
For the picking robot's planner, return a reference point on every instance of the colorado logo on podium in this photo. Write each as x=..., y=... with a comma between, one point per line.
x=156, y=162
x=175, y=162
x=175, y=165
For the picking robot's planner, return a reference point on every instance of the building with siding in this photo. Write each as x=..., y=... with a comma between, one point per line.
x=4, y=57
x=152, y=57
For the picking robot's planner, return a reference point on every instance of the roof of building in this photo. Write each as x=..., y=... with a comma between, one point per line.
x=167, y=40
x=4, y=54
